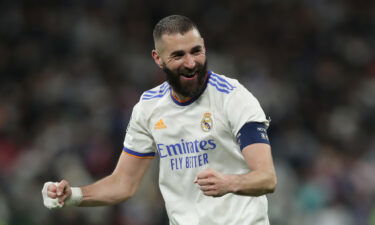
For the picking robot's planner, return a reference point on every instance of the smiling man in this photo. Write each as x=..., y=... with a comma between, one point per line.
x=209, y=133
x=182, y=56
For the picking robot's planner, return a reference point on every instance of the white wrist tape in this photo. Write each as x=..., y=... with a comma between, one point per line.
x=75, y=198
x=53, y=203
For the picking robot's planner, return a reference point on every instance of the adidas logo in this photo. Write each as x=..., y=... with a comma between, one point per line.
x=159, y=125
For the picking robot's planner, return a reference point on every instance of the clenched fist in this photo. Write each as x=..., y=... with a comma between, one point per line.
x=213, y=183
x=56, y=195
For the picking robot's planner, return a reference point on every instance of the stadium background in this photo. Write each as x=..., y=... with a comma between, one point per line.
x=70, y=72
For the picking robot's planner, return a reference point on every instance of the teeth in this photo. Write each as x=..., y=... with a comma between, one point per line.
x=189, y=75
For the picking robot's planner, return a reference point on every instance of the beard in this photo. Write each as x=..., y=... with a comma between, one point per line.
x=187, y=88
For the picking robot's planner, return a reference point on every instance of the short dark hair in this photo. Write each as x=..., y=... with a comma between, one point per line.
x=172, y=25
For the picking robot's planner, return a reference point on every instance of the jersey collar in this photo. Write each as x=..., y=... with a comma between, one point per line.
x=188, y=102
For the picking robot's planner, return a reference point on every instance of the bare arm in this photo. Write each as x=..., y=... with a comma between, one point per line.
x=262, y=177
x=119, y=186
x=115, y=188
x=260, y=180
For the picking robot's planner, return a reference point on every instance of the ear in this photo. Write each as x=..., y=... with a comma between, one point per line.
x=157, y=58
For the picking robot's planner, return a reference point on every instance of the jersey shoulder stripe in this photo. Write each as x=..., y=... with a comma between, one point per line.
x=220, y=83
x=156, y=92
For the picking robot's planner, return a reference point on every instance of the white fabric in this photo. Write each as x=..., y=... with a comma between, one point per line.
x=76, y=197
x=190, y=138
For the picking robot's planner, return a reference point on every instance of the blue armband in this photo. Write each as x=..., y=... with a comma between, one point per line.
x=251, y=133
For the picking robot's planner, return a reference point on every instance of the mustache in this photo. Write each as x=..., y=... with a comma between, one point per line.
x=199, y=68
x=187, y=71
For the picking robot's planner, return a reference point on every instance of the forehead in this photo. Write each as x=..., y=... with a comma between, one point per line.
x=175, y=42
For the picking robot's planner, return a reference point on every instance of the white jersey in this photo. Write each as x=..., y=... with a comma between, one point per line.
x=192, y=136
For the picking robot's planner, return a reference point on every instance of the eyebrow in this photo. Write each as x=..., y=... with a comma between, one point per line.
x=181, y=52
x=178, y=52
x=196, y=48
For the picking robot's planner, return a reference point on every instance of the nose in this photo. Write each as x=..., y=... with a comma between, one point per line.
x=189, y=61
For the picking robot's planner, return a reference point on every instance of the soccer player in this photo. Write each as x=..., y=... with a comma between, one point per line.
x=209, y=132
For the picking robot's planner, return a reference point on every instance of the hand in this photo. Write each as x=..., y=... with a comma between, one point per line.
x=55, y=194
x=213, y=183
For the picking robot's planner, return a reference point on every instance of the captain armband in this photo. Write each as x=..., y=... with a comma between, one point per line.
x=251, y=133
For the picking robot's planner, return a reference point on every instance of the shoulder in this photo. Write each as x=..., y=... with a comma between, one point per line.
x=229, y=90
x=152, y=98
x=221, y=83
x=155, y=93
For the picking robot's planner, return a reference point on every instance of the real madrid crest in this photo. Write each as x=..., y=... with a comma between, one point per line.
x=206, y=123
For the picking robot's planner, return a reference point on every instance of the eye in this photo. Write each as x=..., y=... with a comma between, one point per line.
x=196, y=50
x=178, y=55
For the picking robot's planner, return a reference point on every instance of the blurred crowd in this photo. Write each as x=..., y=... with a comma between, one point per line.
x=71, y=71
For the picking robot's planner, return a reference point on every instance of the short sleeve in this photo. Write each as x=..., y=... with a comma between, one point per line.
x=138, y=141
x=242, y=107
